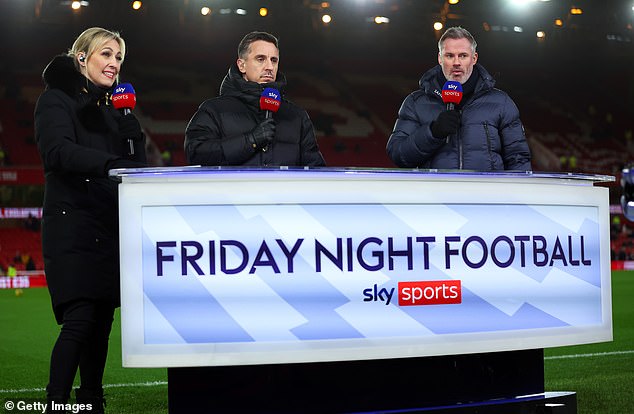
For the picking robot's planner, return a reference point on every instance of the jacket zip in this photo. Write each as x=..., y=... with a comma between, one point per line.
x=460, y=150
x=486, y=132
x=459, y=137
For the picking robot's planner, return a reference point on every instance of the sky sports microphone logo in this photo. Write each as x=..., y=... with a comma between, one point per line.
x=452, y=92
x=418, y=293
x=270, y=100
x=124, y=96
x=271, y=93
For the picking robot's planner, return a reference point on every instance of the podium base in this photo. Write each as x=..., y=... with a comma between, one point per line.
x=545, y=403
x=478, y=383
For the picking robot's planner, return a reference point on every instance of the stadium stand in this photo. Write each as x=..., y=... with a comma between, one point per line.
x=17, y=244
x=16, y=137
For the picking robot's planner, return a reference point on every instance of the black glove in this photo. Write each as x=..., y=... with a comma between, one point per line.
x=262, y=135
x=129, y=128
x=447, y=123
x=123, y=163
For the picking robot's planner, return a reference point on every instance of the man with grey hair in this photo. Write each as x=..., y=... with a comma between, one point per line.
x=483, y=132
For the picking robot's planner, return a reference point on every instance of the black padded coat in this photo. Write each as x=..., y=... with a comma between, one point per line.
x=491, y=135
x=76, y=130
x=215, y=134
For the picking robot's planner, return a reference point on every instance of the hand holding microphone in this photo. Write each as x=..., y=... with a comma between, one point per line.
x=262, y=135
x=448, y=122
x=130, y=128
x=124, y=99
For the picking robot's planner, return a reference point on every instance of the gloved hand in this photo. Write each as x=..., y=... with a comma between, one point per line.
x=122, y=163
x=447, y=123
x=129, y=127
x=262, y=135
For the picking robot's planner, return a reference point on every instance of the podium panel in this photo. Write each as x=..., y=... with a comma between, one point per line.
x=234, y=267
x=370, y=283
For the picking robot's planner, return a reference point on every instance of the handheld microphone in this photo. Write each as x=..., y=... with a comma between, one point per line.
x=124, y=99
x=451, y=94
x=270, y=101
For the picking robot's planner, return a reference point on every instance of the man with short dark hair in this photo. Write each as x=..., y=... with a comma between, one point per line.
x=483, y=132
x=231, y=129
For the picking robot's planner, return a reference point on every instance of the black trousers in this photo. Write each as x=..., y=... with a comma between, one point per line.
x=82, y=344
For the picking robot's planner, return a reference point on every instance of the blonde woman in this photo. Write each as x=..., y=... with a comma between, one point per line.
x=80, y=137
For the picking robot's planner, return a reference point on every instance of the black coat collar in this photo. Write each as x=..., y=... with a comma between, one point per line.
x=234, y=84
x=92, y=102
x=62, y=74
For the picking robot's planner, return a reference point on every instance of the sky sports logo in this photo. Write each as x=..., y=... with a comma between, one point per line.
x=418, y=293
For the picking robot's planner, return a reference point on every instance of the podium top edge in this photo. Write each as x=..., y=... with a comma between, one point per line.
x=197, y=172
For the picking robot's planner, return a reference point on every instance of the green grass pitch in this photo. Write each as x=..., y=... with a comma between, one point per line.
x=601, y=374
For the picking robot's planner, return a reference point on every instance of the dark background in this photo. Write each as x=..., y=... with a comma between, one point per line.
x=590, y=53
x=574, y=88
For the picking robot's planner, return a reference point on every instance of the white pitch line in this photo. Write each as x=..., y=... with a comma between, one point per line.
x=136, y=384
x=590, y=355
x=159, y=383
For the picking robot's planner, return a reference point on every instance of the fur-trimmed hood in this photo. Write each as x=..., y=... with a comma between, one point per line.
x=62, y=74
x=91, y=100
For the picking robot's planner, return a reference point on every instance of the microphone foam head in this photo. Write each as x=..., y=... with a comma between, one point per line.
x=124, y=96
x=270, y=100
x=452, y=92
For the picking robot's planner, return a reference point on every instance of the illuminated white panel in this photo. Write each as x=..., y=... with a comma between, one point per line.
x=233, y=267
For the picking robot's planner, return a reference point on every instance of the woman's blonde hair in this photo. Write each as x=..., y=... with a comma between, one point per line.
x=92, y=39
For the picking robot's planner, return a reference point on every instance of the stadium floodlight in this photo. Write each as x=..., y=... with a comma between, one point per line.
x=76, y=5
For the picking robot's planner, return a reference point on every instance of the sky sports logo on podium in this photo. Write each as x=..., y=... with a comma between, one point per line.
x=418, y=293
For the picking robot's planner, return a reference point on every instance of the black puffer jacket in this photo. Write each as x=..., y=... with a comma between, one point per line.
x=76, y=130
x=491, y=136
x=215, y=134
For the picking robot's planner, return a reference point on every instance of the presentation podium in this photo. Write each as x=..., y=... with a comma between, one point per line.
x=360, y=290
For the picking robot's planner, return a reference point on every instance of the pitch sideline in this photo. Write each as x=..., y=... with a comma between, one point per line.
x=160, y=383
